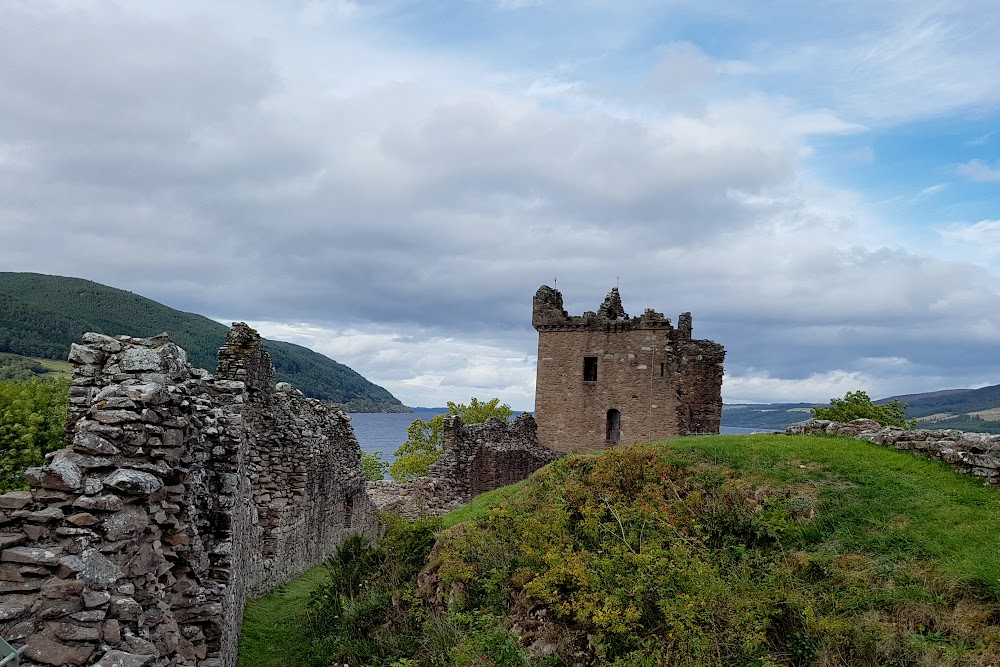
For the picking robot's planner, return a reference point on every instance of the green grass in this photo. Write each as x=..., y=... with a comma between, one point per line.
x=878, y=499
x=275, y=625
x=481, y=505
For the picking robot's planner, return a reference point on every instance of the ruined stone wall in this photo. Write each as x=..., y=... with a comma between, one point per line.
x=476, y=458
x=180, y=494
x=976, y=454
x=661, y=382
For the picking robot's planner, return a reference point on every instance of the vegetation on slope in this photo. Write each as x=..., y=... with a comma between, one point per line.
x=727, y=550
x=42, y=315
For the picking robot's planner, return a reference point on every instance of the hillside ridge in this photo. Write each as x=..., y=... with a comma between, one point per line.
x=41, y=315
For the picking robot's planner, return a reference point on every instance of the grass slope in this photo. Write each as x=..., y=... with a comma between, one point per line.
x=753, y=550
x=42, y=315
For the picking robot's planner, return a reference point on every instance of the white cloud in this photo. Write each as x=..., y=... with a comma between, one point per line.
x=977, y=170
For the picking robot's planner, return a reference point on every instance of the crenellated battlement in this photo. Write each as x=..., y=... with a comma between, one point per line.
x=548, y=315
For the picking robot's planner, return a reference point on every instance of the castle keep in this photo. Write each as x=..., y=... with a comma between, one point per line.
x=604, y=378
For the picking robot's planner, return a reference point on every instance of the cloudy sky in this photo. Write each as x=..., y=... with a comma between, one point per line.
x=390, y=182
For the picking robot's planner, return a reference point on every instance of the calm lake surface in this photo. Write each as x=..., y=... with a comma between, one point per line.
x=385, y=432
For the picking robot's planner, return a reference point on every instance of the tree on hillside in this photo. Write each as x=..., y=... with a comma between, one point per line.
x=857, y=405
x=424, y=443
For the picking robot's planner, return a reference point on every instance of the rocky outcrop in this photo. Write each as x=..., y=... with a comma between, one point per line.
x=180, y=494
x=976, y=454
x=476, y=458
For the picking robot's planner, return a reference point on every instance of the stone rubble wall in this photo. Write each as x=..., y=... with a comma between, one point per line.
x=180, y=494
x=476, y=458
x=976, y=454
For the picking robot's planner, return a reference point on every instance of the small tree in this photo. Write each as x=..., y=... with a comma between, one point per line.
x=374, y=466
x=857, y=405
x=425, y=439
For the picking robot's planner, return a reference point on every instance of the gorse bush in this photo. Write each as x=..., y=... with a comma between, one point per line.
x=32, y=415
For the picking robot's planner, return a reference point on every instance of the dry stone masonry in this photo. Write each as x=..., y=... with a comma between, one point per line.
x=476, y=458
x=604, y=378
x=180, y=494
x=976, y=454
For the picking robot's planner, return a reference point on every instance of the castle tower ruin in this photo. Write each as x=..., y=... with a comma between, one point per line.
x=605, y=379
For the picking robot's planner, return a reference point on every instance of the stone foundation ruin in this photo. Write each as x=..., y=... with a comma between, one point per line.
x=179, y=495
x=476, y=458
x=976, y=454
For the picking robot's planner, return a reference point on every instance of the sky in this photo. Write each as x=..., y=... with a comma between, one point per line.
x=389, y=182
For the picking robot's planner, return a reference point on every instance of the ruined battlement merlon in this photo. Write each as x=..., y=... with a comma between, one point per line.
x=684, y=326
x=612, y=308
x=547, y=308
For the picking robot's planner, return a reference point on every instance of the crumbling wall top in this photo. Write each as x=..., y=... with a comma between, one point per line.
x=548, y=314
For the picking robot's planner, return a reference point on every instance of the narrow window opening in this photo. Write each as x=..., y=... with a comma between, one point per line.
x=614, y=426
x=590, y=369
x=663, y=370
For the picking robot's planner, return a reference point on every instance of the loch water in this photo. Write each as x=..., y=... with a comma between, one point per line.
x=386, y=431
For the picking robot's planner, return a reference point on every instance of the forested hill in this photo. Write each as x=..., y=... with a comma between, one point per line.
x=41, y=315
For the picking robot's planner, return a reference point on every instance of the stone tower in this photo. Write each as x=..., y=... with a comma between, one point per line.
x=605, y=379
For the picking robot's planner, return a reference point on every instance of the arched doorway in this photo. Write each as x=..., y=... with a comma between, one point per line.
x=614, y=426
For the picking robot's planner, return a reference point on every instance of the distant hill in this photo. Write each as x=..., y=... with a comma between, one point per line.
x=962, y=409
x=765, y=416
x=41, y=315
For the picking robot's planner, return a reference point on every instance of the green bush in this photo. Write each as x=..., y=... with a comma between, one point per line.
x=857, y=405
x=32, y=415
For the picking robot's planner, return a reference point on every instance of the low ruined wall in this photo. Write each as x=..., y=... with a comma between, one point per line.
x=976, y=454
x=180, y=494
x=476, y=458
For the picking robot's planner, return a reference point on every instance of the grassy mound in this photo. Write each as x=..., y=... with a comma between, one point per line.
x=728, y=550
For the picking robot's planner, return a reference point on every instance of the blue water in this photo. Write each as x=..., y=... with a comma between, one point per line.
x=385, y=432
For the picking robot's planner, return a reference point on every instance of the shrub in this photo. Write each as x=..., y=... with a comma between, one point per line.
x=857, y=405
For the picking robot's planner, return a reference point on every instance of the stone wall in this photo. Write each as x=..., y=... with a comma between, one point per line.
x=180, y=494
x=976, y=454
x=476, y=458
x=604, y=378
